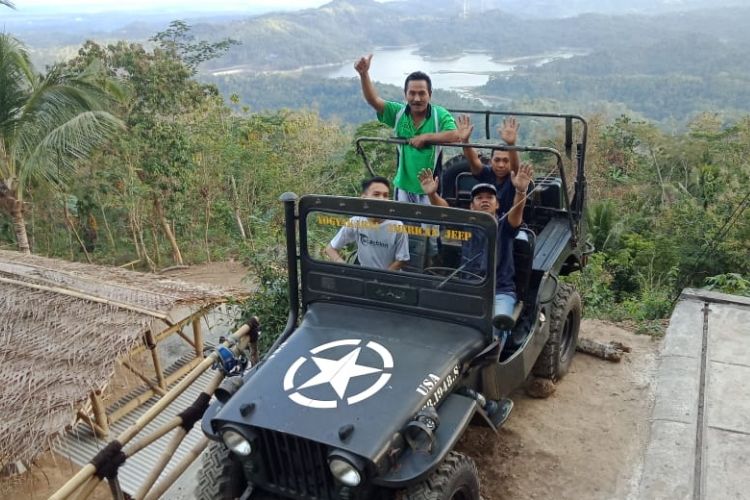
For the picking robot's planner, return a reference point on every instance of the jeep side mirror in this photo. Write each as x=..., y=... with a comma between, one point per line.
x=548, y=289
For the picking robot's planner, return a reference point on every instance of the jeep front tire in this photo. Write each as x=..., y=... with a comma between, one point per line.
x=220, y=476
x=456, y=478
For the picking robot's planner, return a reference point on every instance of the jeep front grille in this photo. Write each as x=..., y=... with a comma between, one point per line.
x=296, y=466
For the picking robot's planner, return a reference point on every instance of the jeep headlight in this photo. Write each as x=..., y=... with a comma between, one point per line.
x=236, y=442
x=345, y=472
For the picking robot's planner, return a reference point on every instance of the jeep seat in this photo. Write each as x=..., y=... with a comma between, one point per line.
x=464, y=182
x=523, y=258
x=417, y=254
x=549, y=192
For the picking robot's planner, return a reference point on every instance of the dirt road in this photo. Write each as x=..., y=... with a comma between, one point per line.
x=583, y=442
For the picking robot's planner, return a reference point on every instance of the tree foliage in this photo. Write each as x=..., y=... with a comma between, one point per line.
x=47, y=124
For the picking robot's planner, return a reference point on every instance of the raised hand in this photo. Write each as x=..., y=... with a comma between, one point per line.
x=465, y=128
x=508, y=131
x=428, y=181
x=522, y=179
x=362, y=66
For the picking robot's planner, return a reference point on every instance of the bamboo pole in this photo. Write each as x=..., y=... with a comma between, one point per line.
x=90, y=421
x=177, y=326
x=174, y=422
x=131, y=405
x=177, y=375
x=187, y=339
x=181, y=466
x=131, y=263
x=235, y=202
x=89, y=486
x=198, y=337
x=161, y=464
x=174, y=327
x=152, y=346
x=154, y=436
x=138, y=401
x=110, y=238
x=78, y=237
x=158, y=390
x=85, y=296
x=240, y=336
x=100, y=414
x=77, y=493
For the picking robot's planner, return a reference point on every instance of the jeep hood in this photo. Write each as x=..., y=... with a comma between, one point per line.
x=353, y=366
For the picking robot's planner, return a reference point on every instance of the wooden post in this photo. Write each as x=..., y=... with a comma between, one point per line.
x=100, y=414
x=151, y=344
x=198, y=337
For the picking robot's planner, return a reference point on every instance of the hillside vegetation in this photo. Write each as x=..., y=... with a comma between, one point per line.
x=682, y=59
x=193, y=177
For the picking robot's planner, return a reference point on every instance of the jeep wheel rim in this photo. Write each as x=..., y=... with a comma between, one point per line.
x=567, y=337
x=461, y=494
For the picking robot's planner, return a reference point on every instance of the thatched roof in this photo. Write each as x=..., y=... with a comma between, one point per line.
x=63, y=325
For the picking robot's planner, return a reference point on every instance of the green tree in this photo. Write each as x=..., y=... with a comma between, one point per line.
x=47, y=122
x=178, y=40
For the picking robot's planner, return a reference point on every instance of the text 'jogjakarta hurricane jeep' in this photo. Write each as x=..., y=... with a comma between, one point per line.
x=367, y=396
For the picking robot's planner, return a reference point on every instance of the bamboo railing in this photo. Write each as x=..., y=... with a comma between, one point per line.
x=88, y=478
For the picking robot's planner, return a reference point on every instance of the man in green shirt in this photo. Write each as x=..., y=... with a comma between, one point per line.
x=420, y=122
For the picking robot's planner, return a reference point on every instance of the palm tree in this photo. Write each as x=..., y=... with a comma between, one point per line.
x=47, y=122
x=7, y=3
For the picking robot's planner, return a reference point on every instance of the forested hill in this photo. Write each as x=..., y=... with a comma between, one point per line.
x=145, y=166
x=667, y=67
x=342, y=29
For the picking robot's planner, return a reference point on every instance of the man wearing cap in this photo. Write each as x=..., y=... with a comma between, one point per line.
x=484, y=199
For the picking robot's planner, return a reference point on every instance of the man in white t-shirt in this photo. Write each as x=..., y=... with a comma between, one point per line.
x=381, y=243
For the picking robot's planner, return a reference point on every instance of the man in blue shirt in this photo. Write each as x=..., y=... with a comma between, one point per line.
x=501, y=164
x=484, y=198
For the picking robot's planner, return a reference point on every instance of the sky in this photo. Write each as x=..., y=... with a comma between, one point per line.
x=92, y=6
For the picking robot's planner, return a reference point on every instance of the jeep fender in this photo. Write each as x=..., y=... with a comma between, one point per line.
x=455, y=413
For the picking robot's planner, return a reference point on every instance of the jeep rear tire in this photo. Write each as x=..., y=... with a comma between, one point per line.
x=456, y=478
x=220, y=476
x=564, y=323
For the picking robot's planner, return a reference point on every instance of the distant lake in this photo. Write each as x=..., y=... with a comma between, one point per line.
x=471, y=69
x=392, y=65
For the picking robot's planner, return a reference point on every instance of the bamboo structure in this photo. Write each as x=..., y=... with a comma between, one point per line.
x=238, y=342
x=65, y=327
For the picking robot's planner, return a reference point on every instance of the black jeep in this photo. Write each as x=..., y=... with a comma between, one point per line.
x=367, y=396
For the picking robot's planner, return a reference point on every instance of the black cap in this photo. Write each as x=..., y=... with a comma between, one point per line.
x=482, y=187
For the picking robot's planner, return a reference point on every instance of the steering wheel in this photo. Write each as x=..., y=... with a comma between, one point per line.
x=447, y=271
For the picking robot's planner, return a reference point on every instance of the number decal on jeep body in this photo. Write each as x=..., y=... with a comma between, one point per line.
x=436, y=389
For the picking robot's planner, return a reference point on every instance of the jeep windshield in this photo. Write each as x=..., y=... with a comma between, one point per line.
x=401, y=238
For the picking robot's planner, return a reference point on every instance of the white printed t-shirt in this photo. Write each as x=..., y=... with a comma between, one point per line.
x=378, y=244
